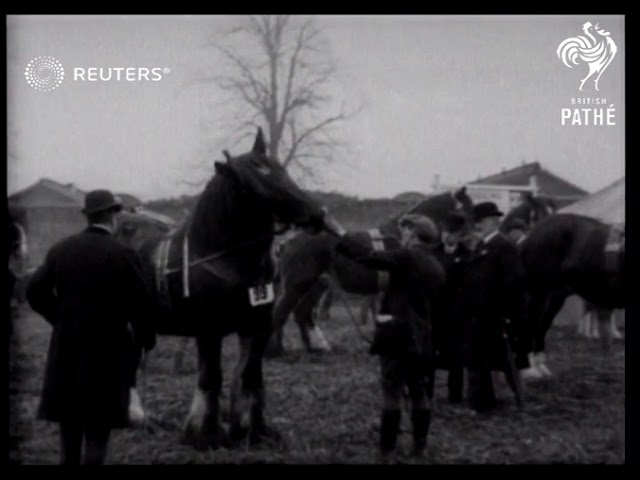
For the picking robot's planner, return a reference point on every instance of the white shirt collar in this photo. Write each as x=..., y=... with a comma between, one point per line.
x=102, y=226
x=488, y=238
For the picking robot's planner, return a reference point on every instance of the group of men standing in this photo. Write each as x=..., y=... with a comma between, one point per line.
x=454, y=300
x=451, y=298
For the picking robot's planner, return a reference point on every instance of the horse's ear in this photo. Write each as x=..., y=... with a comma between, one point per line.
x=260, y=146
x=461, y=191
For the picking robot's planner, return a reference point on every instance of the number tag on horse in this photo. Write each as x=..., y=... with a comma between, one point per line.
x=261, y=294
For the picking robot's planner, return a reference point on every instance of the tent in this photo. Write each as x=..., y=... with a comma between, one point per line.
x=606, y=205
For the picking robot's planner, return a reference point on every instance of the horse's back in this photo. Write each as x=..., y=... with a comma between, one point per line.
x=569, y=250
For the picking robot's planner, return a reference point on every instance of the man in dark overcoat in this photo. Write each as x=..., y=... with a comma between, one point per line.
x=90, y=289
x=402, y=337
x=493, y=303
x=452, y=253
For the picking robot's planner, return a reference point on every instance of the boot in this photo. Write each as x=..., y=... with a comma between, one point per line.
x=421, y=420
x=389, y=428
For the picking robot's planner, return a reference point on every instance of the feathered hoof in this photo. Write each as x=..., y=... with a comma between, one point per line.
x=531, y=373
x=137, y=417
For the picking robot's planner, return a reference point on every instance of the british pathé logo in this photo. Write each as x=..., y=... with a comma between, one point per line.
x=594, y=51
x=597, y=52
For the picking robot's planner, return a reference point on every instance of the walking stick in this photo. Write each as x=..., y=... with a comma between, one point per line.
x=512, y=373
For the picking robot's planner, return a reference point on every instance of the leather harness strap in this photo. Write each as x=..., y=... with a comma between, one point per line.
x=377, y=240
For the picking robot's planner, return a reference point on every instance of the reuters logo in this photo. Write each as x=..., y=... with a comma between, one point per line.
x=44, y=73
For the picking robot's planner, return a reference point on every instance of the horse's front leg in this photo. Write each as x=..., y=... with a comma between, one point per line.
x=248, y=393
x=203, y=428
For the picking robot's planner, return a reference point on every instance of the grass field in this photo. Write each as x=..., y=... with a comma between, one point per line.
x=326, y=406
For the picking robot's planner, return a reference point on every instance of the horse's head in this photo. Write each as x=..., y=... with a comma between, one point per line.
x=438, y=207
x=270, y=186
x=531, y=210
x=538, y=207
x=464, y=203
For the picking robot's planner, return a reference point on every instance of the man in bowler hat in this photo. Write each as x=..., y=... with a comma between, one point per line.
x=90, y=289
x=493, y=302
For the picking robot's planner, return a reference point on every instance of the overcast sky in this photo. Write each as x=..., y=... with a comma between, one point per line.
x=457, y=96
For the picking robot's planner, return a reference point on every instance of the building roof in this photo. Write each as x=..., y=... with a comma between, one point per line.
x=607, y=204
x=549, y=183
x=47, y=193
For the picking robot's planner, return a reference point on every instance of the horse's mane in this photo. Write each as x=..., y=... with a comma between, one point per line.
x=219, y=216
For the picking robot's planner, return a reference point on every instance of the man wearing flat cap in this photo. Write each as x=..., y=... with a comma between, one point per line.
x=492, y=303
x=90, y=289
x=452, y=253
x=402, y=337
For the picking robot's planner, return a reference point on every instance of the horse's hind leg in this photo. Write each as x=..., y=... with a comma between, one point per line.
x=286, y=302
x=605, y=319
x=310, y=334
x=203, y=428
x=554, y=303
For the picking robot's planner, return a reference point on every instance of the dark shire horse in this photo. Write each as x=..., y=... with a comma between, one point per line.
x=567, y=254
x=309, y=265
x=531, y=210
x=213, y=276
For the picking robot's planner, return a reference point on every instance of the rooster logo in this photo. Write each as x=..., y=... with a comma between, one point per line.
x=598, y=53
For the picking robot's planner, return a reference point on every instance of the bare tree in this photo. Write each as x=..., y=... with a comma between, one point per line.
x=278, y=74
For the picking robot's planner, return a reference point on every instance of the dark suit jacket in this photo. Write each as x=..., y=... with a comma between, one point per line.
x=415, y=276
x=493, y=291
x=90, y=288
x=447, y=319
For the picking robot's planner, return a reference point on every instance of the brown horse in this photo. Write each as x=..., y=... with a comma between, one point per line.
x=309, y=266
x=567, y=254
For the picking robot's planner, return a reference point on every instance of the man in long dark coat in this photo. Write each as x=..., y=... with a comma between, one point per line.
x=90, y=289
x=403, y=331
x=493, y=303
x=452, y=254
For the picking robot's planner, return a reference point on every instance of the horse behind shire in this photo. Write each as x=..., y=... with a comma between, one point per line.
x=531, y=210
x=213, y=277
x=568, y=254
x=309, y=265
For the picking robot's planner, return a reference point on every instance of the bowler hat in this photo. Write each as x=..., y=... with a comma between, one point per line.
x=101, y=200
x=454, y=222
x=517, y=223
x=486, y=209
x=424, y=227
